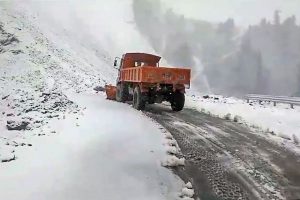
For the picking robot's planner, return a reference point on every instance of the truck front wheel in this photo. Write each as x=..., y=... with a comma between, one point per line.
x=138, y=100
x=177, y=101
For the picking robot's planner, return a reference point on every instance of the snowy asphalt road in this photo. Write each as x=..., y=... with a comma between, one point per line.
x=226, y=160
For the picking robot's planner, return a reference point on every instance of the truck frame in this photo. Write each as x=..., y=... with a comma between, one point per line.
x=143, y=81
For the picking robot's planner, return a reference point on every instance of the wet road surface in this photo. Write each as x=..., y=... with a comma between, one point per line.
x=226, y=160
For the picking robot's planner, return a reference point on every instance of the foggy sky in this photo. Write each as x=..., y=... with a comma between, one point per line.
x=244, y=12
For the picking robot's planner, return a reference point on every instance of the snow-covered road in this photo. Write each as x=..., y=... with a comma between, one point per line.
x=228, y=160
x=110, y=152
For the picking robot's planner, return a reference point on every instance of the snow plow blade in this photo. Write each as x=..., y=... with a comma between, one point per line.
x=110, y=92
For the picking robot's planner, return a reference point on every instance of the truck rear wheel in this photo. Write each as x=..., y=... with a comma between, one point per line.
x=177, y=101
x=122, y=92
x=138, y=100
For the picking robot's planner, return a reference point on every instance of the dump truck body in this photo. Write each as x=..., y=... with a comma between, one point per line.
x=142, y=81
x=163, y=75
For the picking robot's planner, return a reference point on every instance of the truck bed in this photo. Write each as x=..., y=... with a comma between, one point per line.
x=161, y=75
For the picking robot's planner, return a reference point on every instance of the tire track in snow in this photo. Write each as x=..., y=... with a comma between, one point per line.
x=225, y=160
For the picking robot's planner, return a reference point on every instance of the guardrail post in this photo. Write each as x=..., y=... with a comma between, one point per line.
x=292, y=106
x=248, y=101
x=274, y=103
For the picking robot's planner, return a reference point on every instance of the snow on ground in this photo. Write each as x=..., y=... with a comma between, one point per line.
x=58, y=139
x=281, y=120
x=110, y=152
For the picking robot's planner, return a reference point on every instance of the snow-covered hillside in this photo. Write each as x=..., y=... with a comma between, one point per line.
x=52, y=55
x=36, y=70
x=48, y=48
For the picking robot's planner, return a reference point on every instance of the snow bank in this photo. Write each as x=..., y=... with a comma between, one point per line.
x=114, y=148
x=187, y=192
x=280, y=120
x=173, y=161
x=174, y=157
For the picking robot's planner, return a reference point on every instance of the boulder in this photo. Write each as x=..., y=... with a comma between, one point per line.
x=99, y=89
x=17, y=125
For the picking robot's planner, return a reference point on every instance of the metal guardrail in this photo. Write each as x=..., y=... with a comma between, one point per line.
x=275, y=99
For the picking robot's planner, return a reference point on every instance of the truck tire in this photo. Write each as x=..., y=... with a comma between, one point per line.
x=177, y=102
x=139, y=102
x=122, y=92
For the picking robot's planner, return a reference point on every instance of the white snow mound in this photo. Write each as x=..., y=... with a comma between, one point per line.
x=172, y=150
x=173, y=161
x=187, y=192
x=168, y=135
x=171, y=142
x=189, y=185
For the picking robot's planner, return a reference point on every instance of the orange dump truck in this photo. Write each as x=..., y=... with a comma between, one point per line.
x=143, y=81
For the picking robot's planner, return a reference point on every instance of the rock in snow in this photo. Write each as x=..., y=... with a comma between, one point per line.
x=17, y=125
x=99, y=89
x=6, y=153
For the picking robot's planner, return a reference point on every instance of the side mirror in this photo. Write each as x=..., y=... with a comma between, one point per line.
x=115, y=63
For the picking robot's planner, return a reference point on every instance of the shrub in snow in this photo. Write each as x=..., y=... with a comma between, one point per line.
x=173, y=161
x=227, y=116
x=296, y=139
